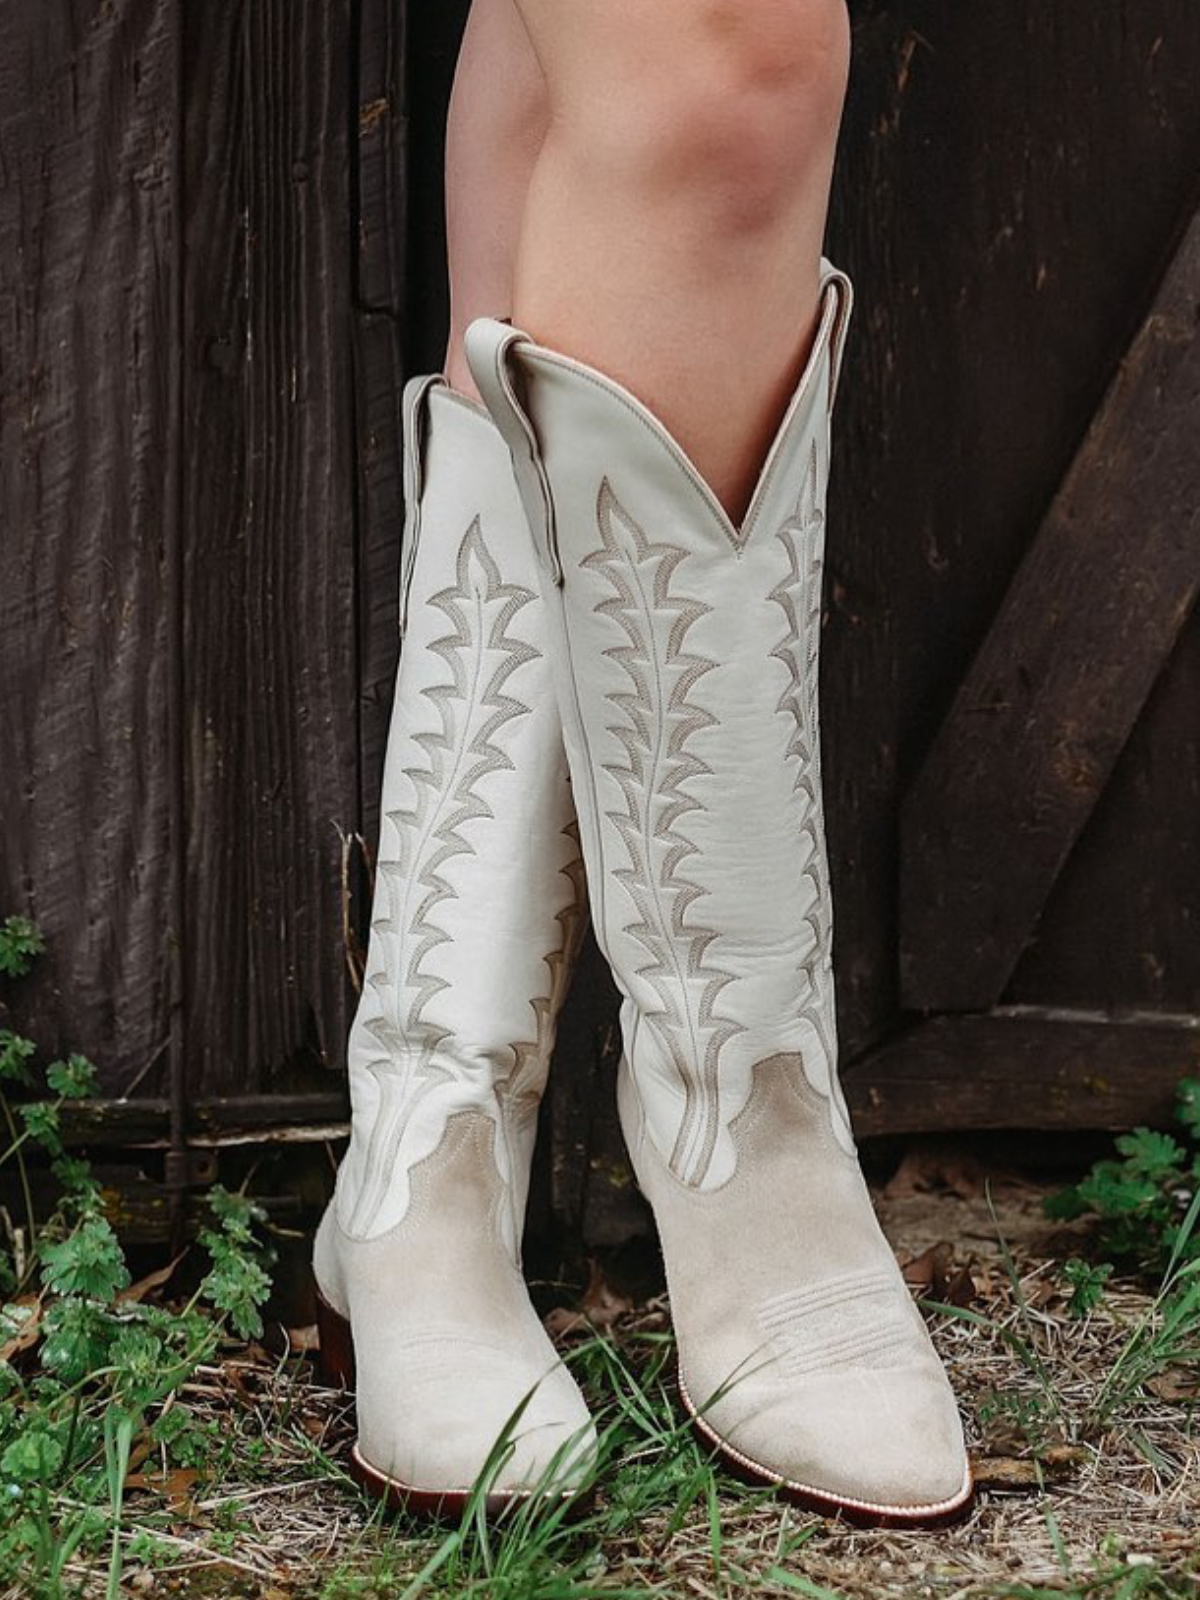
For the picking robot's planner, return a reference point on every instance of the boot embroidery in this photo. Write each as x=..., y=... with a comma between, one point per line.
x=659, y=720
x=843, y=1321
x=474, y=707
x=531, y=1055
x=798, y=595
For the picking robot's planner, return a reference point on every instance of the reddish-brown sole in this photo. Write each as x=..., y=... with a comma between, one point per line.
x=430, y=1505
x=336, y=1365
x=861, y=1513
x=335, y=1355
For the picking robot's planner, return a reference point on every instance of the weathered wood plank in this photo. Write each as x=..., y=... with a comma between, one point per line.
x=381, y=155
x=434, y=33
x=144, y=1121
x=269, y=506
x=1031, y=1067
x=1025, y=1067
x=1122, y=919
x=143, y=1210
x=88, y=383
x=1062, y=675
x=974, y=204
x=381, y=234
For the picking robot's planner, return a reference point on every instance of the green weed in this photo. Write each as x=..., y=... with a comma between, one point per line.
x=87, y=1365
x=1086, y=1280
x=1141, y=1200
x=1147, y=1208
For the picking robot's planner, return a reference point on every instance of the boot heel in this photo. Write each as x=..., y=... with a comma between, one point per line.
x=336, y=1356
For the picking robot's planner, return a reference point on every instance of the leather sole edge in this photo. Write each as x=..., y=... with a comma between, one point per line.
x=863, y=1513
x=336, y=1364
x=447, y=1504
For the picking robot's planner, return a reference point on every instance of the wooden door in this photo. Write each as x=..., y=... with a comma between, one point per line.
x=1012, y=653
x=199, y=357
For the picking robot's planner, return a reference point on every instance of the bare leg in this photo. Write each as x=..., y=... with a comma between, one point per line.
x=673, y=225
x=498, y=116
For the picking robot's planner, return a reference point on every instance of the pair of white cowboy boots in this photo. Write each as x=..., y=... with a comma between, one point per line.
x=644, y=666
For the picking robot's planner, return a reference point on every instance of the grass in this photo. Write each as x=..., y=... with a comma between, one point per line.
x=91, y=1364
x=150, y=1447
x=1088, y=1490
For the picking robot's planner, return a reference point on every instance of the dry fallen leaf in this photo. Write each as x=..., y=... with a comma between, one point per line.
x=600, y=1307
x=959, y=1289
x=1006, y=1472
x=1026, y=1472
x=985, y=1280
x=175, y=1486
x=930, y=1166
x=1176, y=1383
x=927, y=1272
x=304, y=1341
x=930, y=1267
x=29, y=1330
x=1060, y=1460
x=934, y=1275
x=138, y=1291
x=234, y=1374
x=142, y=1449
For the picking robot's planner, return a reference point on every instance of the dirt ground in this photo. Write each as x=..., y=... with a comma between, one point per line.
x=1070, y=1502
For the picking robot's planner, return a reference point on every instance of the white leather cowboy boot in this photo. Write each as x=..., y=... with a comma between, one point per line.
x=685, y=653
x=476, y=919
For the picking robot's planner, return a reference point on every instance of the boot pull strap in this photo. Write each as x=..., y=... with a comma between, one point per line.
x=488, y=346
x=840, y=283
x=413, y=412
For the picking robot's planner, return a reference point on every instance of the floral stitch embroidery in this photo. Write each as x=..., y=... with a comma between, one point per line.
x=659, y=722
x=798, y=596
x=474, y=707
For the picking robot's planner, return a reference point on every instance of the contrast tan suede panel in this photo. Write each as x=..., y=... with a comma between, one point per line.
x=794, y=1227
x=447, y=1343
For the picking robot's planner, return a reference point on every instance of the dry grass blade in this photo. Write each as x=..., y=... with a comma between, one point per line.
x=1067, y=1507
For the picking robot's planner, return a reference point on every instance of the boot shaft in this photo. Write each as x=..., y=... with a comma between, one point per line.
x=477, y=906
x=686, y=654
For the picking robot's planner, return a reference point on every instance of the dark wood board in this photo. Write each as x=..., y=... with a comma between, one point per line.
x=379, y=223
x=89, y=284
x=1010, y=182
x=1060, y=679
x=1025, y=1068
x=434, y=33
x=1123, y=920
x=588, y=1179
x=143, y=1122
x=269, y=487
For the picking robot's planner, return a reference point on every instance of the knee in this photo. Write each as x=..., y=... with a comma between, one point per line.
x=768, y=97
x=793, y=48
x=731, y=100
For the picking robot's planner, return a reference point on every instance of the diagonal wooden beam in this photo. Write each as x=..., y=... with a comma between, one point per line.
x=1058, y=684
